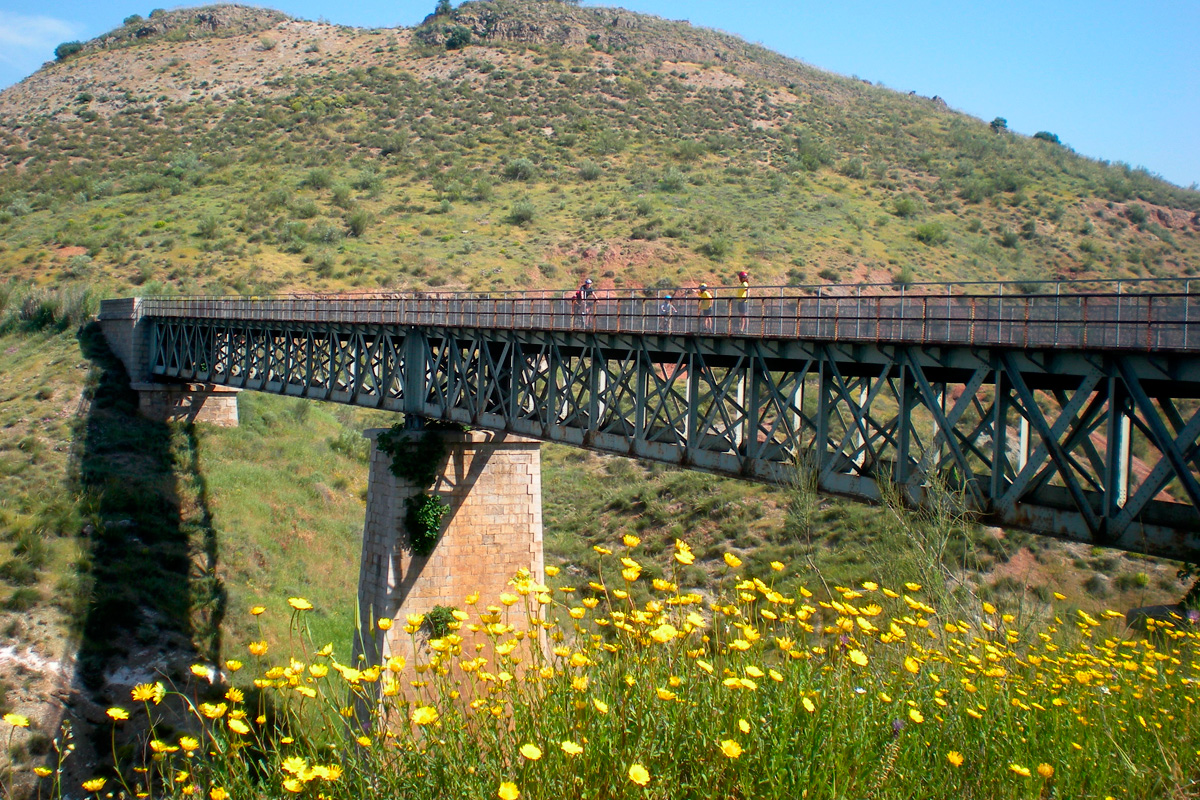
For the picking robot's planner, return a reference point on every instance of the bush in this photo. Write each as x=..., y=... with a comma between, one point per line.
x=208, y=226
x=132, y=19
x=931, y=233
x=672, y=180
x=1007, y=238
x=358, y=222
x=829, y=274
x=319, y=179
x=589, y=170
x=717, y=248
x=1135, y=214
x=999, y=125
x=852, y=168
x=458, y=37
x=522, y=212
x=1047, y=136
x=66, y=50
x=905, y=276
x=520, y=169
x=905, y=207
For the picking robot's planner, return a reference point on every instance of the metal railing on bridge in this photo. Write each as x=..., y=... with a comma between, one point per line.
x=1121, y=315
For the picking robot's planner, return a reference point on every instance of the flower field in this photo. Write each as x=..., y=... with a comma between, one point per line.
x=557, y=690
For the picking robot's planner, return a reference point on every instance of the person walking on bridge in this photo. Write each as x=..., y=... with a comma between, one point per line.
x=666, y=314
x=587, y=298
x=706, y=308
x=743, y=300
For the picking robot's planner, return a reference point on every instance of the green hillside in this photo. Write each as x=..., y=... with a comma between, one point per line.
x=552, y=141
x=506, y=145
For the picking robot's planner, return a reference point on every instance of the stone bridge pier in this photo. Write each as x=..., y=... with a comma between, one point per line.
x=492, y=483
x=127, y=334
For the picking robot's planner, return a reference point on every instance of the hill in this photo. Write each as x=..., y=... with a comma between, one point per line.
x=505, y=145
x=521, y=144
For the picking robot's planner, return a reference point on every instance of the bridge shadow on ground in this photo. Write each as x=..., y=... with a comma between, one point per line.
x=151, y=603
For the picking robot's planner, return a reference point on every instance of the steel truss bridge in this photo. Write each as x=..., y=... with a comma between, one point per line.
x=1072, y=414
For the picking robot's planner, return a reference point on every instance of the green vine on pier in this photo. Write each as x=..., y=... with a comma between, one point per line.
x=417, y=460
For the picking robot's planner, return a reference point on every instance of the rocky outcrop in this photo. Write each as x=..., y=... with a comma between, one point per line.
x=191, y=23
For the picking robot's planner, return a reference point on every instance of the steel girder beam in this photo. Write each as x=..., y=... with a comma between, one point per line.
x=1113, y=459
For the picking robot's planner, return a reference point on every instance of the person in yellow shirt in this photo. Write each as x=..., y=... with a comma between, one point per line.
x=706, y=308
x=743, y=300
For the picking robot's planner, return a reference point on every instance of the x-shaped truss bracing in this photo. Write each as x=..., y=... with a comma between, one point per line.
x=1100, y=447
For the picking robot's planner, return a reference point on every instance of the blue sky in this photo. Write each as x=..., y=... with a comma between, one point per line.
x=1115, y=80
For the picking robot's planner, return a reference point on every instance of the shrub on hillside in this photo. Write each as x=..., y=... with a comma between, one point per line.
x=66, y=50
x=589, y=170
x=905, y=207
x=931, y=233
x=520, y=169
x=522, y=212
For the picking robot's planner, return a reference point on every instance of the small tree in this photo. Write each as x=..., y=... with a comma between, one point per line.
x=443, y=8
x=67, y=49
x=1047, y=136
x=458, y=37
x=999, y=125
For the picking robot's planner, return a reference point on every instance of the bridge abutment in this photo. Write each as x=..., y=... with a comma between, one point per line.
x=492, y=484
x=128, y=336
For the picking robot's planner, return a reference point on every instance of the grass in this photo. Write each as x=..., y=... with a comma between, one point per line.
x=864, y=691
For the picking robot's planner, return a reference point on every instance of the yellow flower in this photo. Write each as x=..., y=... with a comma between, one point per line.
x=189, y=743
x=202, y=671
x=384, y=624
x=143, y=692
x=257, y=648
x=294, y=765
x=955, y=758
x=43, y=772
x=425, y=715
x=94, y=785
x=508, y=791
x=913, y=587
x=217, y=793
x=665, y=694
x=117, y=713
x=733, y=561
x=912, y=665
x=233, y=665
x=638, y=774
x=1017, y=768
x=808, y=705
x=256, y=610
x=18, y=721
x=1058, y=596
x=238, y=726
x=300, y=604
x=988, y=608
x=731, y=748
x=664, y=633
x=777, y=566
x=363, y=741
x=531, y=751
x=570, y=748
x=213, y=711
x=858, y=657
x=630, y=540
x=1046, y=771
x=600, y=705
x=293, y=785
x=683, y=554
x=915, y=716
